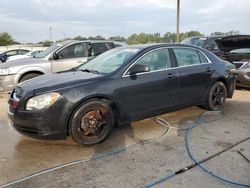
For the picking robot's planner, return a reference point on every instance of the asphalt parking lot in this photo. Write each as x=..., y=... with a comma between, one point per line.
x=139, y=164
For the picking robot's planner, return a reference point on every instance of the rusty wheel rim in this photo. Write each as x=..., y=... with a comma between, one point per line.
x=93, y=122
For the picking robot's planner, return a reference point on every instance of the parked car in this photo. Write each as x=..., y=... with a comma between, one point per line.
x=5, y=55
x=58, y=57
x=236, y=49
x=122, y=85
x=207, y=42
x=28, y=54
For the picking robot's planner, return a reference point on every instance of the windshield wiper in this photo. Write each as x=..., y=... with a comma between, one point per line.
x=92, y=71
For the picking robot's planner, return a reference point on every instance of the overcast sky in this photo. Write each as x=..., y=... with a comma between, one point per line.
x=29, y=20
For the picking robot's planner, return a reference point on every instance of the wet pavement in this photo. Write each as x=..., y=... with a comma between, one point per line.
x=137, y=165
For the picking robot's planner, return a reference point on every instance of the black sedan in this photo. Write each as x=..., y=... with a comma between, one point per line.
x=122, y=85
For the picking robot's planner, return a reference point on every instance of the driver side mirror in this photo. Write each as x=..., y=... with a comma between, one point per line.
x=55, y=56
x=138, y=69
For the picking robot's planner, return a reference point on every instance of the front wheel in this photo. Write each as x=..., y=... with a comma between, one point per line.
x=217, y=96
x=92, y=122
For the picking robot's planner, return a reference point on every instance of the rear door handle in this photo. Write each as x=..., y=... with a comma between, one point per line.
x=209, y=69
x=170, y=75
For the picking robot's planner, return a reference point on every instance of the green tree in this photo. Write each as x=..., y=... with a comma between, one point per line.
x=98, y=37
x=117, y=38
x=169, y=37
x=217, y=33
x=193, y=34
x=143, y=38
x=80, y=38
x=46, y=43
x=233, y=32
x=6, y=39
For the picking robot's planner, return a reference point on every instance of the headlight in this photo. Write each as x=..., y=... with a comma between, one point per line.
x=4, y=71
x=7, y=71
x=42, y=101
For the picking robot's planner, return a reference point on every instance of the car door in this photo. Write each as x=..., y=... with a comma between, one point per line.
x=150, y=93
x=195, y=72
x=70, y=57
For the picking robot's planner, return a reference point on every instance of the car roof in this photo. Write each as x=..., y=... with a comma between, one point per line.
x=155, y=45
x=218, y=36
x=79, y=41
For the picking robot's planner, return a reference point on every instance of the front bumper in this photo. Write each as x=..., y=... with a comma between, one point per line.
x=7, y=83
x=243, y=78
x=51, y=123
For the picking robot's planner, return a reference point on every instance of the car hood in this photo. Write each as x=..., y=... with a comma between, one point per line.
x=56, y=81
x=22, y=62
x=226, y=44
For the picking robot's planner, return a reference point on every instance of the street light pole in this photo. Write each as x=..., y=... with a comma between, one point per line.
x=178, y=22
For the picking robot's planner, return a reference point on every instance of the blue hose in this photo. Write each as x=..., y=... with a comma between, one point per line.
x=187, y=131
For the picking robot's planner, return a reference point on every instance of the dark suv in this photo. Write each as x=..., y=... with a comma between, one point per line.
x=207, y=42
x=236, y=49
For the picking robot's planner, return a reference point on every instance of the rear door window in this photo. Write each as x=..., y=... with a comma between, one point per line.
x=186, y=56
x=21, y=52
x=203, y=59
x=99, y=48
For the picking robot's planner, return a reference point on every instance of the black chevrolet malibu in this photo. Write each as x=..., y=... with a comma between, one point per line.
x=122, y=85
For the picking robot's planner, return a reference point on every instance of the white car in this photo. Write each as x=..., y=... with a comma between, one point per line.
x=28, y=54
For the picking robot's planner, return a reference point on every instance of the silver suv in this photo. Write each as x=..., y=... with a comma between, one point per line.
x=58, y=57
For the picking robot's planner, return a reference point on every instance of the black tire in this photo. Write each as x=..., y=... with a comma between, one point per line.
x=92, y=122
x=28, y=76
x=216, y=97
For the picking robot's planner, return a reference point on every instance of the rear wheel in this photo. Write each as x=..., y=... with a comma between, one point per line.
x=216, y=96
x=28, y=76
x=92, y=122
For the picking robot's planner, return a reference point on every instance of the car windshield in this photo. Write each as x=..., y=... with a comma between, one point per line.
x=47, y=51
x=109, y=61
x=200, y=41
x=240, y=51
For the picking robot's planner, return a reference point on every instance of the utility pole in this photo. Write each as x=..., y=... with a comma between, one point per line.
x=50, y=35
x=178, y=22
